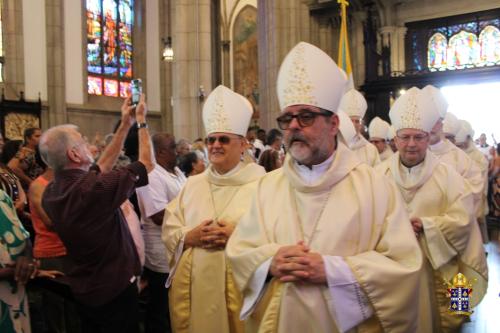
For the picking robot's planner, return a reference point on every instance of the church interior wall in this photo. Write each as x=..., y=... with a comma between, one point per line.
x=35, y=51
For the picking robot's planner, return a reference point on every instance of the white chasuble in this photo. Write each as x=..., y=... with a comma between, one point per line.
x=434, y=192
x=450, y=154
x=365, y=151
x=349, y=214
x=386, y=153
x=203, y=297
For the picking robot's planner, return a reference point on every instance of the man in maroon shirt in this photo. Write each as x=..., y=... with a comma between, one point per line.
x=83, y=203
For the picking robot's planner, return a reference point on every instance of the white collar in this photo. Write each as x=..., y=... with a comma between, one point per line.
x=230, y=172
x=311, y=175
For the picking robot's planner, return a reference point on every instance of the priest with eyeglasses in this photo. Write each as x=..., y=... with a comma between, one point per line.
x=440, y=205
x=199, y=222
x=326, y=245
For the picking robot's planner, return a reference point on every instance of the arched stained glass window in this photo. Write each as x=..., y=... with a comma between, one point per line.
x=489, y=40
x=463, y=51
x=109, y=46
x=436, y=52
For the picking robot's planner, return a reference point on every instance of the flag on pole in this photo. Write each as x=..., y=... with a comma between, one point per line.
x=344, y=60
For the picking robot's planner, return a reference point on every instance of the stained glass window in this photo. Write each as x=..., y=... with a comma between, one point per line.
x=464, y=49
x=489, y=41
x=436, y=55
x=109, y=46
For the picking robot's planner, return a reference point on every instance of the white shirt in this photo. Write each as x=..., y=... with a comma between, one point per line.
x=163, y=187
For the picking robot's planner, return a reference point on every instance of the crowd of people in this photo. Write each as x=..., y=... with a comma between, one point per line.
x=319, y=225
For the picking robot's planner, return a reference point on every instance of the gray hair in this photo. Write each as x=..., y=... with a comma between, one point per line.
x=54, y=145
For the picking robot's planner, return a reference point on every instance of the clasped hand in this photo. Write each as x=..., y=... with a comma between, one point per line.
x=296, y=263
x=210, y=235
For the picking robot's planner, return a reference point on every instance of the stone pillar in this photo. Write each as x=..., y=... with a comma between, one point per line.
x=56, y=94
x=166, y=68
x=282, y=24
x=357, y=48
x=226, y=62
x=13, y=68
x=192, y=67
x=395, y=37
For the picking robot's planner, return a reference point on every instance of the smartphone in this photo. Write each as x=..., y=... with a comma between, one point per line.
x=136, y=90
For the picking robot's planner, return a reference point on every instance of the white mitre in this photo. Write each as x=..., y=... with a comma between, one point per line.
x=226, y=111
x=437, y=98
x=413, y=110
x=451, y=124
x=309, y=76
x=346, y=128
x=391, y=133
x=464, y=132
x=378, y=128
x=353, y=103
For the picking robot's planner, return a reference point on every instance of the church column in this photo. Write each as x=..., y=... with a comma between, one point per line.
x=282, y=24
x=395, y=37
x=56, y=95
x=226, y=62
x=192, y=68
x=400, y=38
x=357, y=48
x=13, y=67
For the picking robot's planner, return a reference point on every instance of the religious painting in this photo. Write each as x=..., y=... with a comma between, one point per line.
x=245, y=57
x=16, y=123
x=109, y=44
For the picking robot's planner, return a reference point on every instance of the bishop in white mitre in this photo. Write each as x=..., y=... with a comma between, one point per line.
x=198, y=223
x=377, y=130
x=464, y=140
x=447, y=152
x=440, y=206
x=326, y=245
x=354, y=105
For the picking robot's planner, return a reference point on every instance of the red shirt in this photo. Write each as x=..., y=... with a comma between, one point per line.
x=47, y=242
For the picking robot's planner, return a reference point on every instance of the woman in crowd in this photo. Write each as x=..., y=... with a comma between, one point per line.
x=191, y=164
x=270, y=160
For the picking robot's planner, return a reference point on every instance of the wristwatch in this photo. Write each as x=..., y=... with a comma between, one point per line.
x=142, y=125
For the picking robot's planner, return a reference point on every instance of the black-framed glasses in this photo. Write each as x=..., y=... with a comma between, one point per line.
x=304, y=118
x=418, y=138
x=223, y=139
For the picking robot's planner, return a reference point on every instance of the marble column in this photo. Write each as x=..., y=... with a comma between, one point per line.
x=13, y=67
x=166, y=81
x=395, y=37
x=282, y=24
x=192, y=68
x=56, y=94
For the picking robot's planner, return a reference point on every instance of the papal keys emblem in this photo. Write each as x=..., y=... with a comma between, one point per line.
x=459, y=292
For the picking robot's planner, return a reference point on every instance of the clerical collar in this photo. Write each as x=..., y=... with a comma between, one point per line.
x=437, y=146
x=230, y=172
x=311, y=175
x=414, y=170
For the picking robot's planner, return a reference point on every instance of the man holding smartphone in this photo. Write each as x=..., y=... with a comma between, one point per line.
x=83, y=203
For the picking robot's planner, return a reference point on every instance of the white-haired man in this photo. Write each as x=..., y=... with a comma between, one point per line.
x=439, y=204
x=199, y=222
x=326, y=245
x=83, y=202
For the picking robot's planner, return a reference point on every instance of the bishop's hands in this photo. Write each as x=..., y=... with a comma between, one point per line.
x=296, y=263
x=209, y=235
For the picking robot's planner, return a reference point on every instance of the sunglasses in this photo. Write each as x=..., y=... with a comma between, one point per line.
x=223, y=139
x=305, y=118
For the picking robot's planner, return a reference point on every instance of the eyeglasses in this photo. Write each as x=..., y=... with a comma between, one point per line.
x=419, y=138
x=223, y=139
x=304, y=118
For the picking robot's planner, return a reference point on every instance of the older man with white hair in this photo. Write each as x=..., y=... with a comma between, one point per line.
x=198, y=224
x=439, y=203
x=83, y=203
x=326, y=245
x=464, y=140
